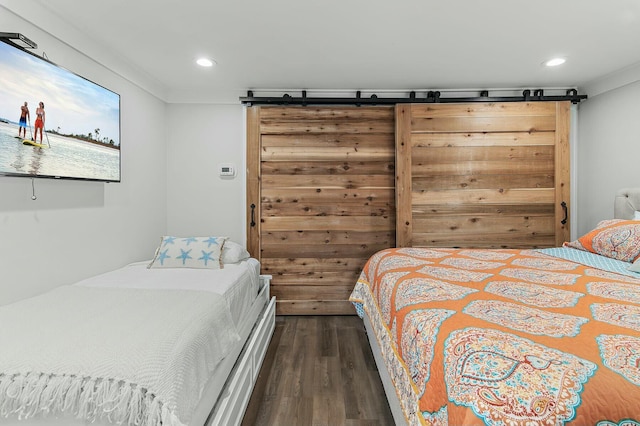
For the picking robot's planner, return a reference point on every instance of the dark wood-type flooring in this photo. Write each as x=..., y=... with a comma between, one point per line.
x=318, y=370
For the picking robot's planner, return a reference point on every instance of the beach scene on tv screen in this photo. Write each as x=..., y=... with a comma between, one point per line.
x=54, y=123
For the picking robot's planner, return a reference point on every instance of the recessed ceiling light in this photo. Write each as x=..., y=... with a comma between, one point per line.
x=555, y=62
x=204, y=62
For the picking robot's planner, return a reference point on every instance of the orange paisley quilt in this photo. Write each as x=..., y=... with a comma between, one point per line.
x=504, y=337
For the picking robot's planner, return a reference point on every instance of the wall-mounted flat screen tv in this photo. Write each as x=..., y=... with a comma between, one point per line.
x=54, y=123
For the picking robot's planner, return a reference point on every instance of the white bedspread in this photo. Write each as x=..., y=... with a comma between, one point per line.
x=134, y=356
x=237, y=283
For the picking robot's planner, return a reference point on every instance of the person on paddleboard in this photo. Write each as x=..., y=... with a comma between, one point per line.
x=39, y=124
x=24, y=116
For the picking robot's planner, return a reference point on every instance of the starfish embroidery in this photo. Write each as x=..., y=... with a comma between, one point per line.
x=169, y=240
x=211, y=241
x=206, y=256
x=162, y=256
x=184, y=255
x=189, y=240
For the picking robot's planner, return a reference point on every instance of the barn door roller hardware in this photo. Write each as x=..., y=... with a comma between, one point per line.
x=430, y=96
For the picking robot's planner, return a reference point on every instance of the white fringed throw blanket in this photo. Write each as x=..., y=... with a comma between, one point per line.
x=134, y=357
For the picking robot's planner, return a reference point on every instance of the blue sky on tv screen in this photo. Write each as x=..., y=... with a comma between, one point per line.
x=73, y=105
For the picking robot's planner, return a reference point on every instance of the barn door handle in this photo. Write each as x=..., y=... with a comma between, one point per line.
x=253, y=217
x=564, y=208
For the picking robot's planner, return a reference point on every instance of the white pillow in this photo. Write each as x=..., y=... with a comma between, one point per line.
x=635, y=266
x=636, y=215
x=188, y=252
x=233, y=252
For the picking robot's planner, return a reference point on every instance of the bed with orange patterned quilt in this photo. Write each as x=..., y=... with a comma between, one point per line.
x=509, y=337
x=504, y=337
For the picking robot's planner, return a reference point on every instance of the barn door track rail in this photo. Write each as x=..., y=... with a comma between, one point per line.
x=430, y=96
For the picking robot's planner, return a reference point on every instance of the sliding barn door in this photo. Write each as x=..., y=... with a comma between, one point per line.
x=320, y=200
x=489, y=175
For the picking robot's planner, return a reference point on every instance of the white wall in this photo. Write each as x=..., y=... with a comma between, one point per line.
x=608, y=150
x=200, y=202
x=77, y=229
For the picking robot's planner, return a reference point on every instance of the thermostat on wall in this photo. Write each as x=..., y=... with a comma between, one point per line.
x=227, y=170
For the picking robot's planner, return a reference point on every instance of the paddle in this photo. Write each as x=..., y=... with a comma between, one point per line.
x=45, y=133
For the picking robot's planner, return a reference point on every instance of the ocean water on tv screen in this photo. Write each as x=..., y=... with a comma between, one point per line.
x=61, y=156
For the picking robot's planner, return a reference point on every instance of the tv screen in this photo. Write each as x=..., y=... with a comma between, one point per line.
x=54, y=123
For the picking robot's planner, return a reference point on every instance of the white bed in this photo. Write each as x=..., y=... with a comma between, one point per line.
x=226, y=391
x=238, y=283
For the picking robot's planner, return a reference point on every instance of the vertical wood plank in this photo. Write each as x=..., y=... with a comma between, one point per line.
x=563, y=171
x=403, y=176
x=253, y=181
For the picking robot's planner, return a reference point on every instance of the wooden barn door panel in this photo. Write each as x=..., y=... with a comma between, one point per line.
x=323, y=189
x=482, y=175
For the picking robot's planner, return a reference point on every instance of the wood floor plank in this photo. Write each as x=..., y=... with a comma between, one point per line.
x=325, y=382
x=318, y=370
x=328, y=337
x=327, y=413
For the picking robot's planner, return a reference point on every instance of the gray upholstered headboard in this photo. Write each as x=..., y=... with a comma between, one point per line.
x=627, y=201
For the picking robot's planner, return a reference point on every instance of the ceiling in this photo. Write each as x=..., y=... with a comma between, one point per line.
x=346, y=44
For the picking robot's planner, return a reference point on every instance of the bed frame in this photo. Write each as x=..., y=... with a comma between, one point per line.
x=626, y=203
x=234, y=398
x=389, y=389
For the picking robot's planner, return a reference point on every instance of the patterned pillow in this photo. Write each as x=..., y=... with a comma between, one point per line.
x=617, y=238
x=188, y=252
